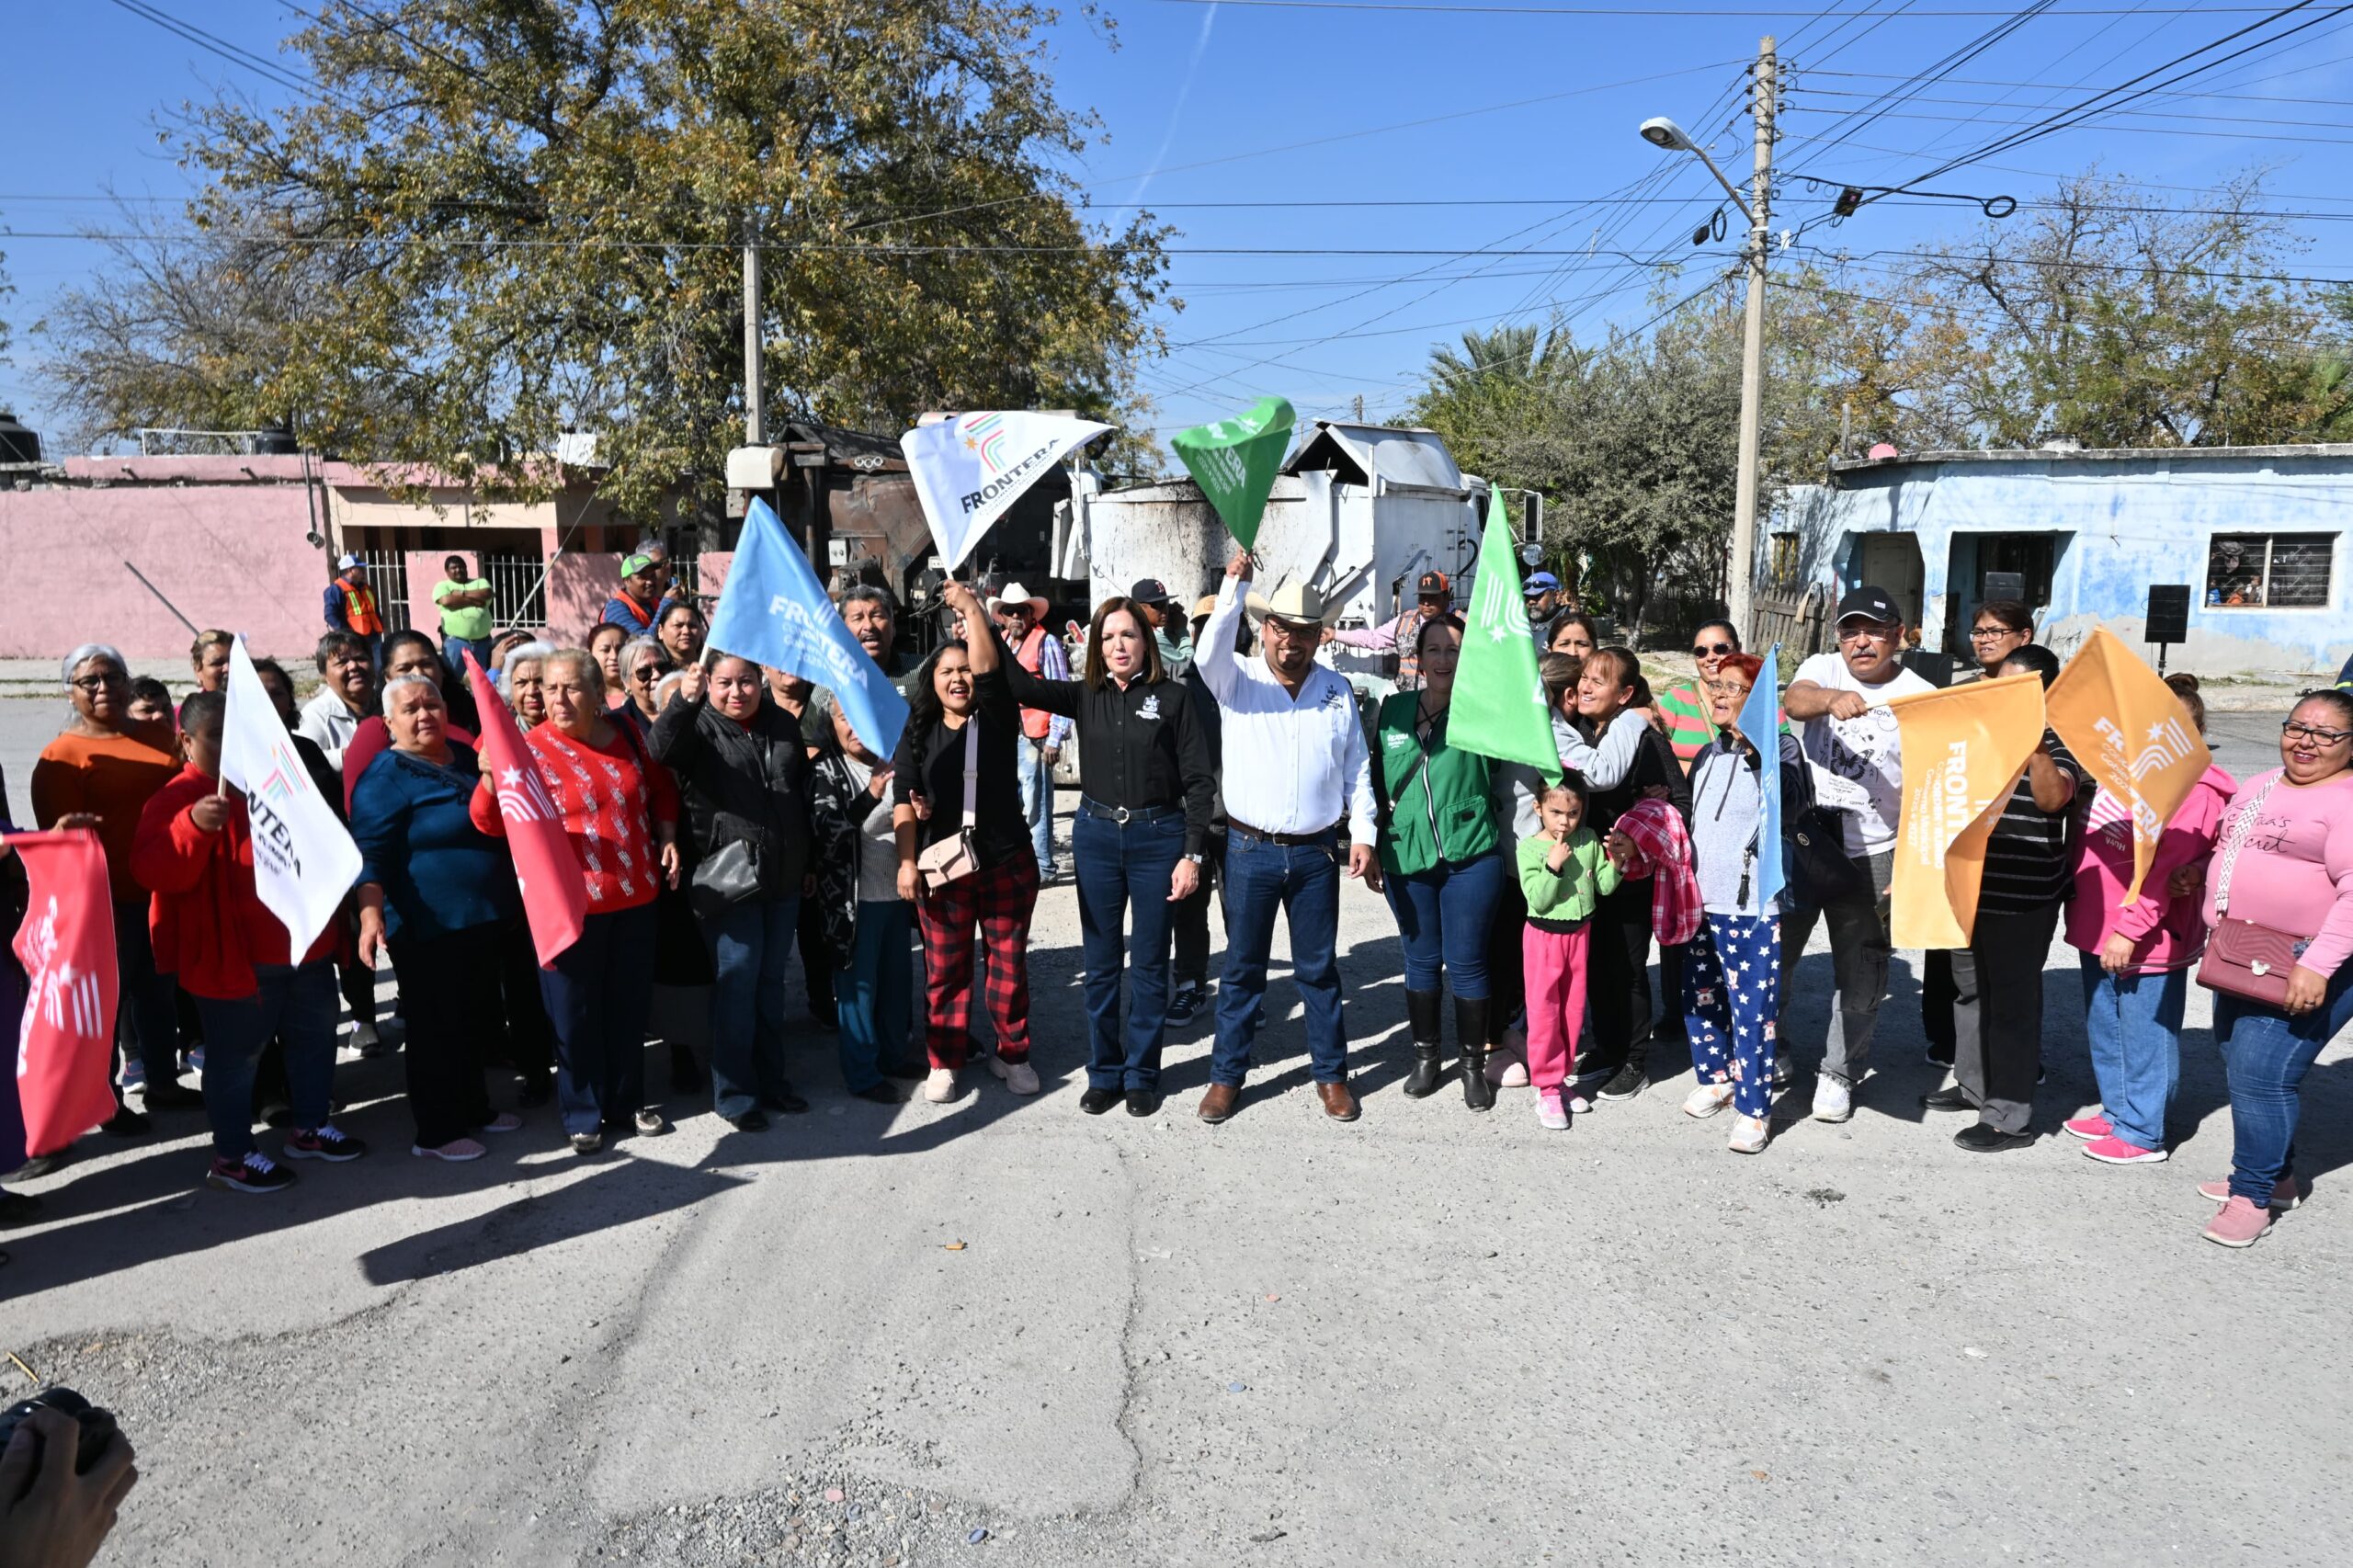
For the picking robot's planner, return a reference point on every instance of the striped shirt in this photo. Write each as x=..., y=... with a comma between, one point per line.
x=2027, y=863
x=1689, y=730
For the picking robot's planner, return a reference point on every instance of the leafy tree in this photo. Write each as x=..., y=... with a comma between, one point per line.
x=506, y=219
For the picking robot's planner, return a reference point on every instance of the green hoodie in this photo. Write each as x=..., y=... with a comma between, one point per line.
x=1557, y=900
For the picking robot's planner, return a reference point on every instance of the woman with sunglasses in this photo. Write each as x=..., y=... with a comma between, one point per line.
x=2286, y=863
x=644, y=663
x=100, y=773
x=1684, y=704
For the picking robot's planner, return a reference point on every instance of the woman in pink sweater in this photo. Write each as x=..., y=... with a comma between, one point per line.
x=2286, y=862
x=2137, y=956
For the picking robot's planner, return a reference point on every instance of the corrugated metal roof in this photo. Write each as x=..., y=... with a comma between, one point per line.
x=2313, y=451
x=1401, y=455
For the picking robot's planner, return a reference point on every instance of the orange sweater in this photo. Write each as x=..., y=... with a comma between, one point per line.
x=114, y=776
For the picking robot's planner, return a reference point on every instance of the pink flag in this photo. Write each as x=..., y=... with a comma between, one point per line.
x=555, y=891
x=65, y=1048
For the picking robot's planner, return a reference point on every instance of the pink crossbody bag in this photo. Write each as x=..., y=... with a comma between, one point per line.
x=2244, y=959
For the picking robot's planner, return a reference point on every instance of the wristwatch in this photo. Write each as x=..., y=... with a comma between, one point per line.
x=1195, y=857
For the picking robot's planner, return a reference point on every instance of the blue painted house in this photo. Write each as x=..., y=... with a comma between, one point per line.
x=2259, y=534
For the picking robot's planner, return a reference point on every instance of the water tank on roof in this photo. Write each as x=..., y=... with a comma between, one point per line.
x=17, y=445
x=274, y=441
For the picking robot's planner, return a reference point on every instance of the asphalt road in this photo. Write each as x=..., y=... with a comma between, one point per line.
x=1430, y=1338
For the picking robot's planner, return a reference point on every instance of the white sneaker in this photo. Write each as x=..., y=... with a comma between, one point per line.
x=1578, y=1104
x=1707, y=1099
x=1019, y=1076
x=1833, y=1101
x=1748, y=1135
x=939, y=1088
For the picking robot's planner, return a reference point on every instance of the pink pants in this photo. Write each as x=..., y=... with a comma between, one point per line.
x=1555, y=965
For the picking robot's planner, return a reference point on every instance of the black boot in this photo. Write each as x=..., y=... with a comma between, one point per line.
x=1470, y=1038
x=1429, y=1043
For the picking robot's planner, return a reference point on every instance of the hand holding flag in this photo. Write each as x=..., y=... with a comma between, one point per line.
x=2127, y=728
x=1498, y=706
x=969, y=471
x=555, y=890
x=304, y=860
x=1233, y=461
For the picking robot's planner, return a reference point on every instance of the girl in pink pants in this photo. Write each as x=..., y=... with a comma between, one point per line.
x=1563, y=873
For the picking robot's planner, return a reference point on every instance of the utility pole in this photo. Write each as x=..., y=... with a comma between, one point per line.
x=755, y=393
x=1742, y=574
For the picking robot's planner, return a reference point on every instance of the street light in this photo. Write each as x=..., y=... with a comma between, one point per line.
x=1667, y=136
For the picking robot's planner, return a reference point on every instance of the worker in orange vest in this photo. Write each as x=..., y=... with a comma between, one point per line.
x=350, y=606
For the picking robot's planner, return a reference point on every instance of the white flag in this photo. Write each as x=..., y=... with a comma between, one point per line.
x=304, y=860
x=969, y=470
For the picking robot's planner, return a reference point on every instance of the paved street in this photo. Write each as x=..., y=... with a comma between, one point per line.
x=1428, y=1337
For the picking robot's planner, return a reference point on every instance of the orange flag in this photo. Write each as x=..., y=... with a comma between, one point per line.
x=2131, y=732
x=1963, y=750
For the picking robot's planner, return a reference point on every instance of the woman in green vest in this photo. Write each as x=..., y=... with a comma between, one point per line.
x=1441, y=861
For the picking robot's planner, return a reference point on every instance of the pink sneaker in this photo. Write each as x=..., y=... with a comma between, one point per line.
x=1550, y=1113
x=2089, y=1127
x=2238, y=1224
x=2114, y=1151
x=457, y=1149
x=2286, y=1193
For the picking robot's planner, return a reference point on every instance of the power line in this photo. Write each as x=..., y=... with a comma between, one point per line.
x=214, y=43
x=1430, y=7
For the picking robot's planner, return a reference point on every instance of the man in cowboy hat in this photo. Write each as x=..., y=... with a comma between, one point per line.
x=1023, y=616
x=1304, y=768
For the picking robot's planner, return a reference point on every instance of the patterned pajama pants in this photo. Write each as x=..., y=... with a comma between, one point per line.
x=1731, y=974
x=993, y=903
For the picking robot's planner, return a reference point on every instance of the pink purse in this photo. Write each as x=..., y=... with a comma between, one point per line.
x=2244, y=959
x=952, y=859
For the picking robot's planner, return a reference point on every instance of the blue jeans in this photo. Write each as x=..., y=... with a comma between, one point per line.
x=875, y=1005
x=1442, y=916
x=1304, y=881
x=149, y=1001
x=2133, y=1023
x=454, y=649
x=298, y=1003
x=1124, y=869
x=1037, y=779
x=599, y=995
x=2266, y=1053
x=751, y=949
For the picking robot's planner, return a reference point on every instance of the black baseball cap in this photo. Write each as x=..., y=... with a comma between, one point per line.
x=1868, y=603
x=1432, y=585
x=1150, y=591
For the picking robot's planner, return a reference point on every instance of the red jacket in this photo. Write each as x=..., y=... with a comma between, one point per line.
x=610, y=800
x=210, y=927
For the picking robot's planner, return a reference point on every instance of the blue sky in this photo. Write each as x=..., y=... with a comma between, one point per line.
x=1289, y=106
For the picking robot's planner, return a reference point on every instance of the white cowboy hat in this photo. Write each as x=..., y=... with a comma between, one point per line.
x=1294, y=602
x=1016, y=594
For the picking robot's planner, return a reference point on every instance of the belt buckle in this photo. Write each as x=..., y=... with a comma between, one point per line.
x=1121, y=815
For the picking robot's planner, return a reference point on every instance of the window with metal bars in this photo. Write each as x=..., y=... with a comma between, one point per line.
x=2269, y=570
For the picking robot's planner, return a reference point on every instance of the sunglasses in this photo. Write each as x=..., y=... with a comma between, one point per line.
x=1714, y=650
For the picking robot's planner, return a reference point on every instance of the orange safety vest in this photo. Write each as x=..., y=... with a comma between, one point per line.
x=1035, y=722
x=359, y=607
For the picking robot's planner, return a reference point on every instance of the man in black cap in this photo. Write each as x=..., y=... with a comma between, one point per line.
x=1167, y=618
x=1433, y=596
x=1839, y=702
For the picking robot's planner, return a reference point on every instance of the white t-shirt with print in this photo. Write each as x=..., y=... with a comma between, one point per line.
x=1866, y=754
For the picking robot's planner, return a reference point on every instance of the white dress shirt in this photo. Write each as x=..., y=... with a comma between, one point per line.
x=329, y=722
x=1292, y=765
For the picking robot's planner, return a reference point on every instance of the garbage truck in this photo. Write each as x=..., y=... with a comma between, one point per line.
x=1358, y=511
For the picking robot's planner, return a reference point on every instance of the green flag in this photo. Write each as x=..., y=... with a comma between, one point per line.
x=1233, y=461
x=1498, y=708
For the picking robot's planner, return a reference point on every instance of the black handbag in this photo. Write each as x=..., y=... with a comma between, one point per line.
x=728, y=876
x=1813, y=853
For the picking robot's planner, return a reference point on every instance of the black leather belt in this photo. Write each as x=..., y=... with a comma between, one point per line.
x=1289, y=840
x=1126, y=814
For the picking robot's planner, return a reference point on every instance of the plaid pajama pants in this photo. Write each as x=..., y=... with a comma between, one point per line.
x=995, y=902
x=1732, y=978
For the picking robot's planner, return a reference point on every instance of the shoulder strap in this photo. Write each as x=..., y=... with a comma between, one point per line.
x=2239, y=835
x=972, y=771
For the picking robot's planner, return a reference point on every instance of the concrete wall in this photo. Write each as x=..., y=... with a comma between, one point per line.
x=225, y=548
x=2119, y=524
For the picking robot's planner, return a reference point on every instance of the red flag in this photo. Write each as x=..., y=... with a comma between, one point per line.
x=555, y=890
x=65, y=1048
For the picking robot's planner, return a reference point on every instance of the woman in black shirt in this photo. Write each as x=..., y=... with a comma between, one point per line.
x=1137, y=841
x=1624, y=1018
x=960, y=711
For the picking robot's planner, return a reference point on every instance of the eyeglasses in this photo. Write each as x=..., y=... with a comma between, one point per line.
x=101, y=681
x=1994, y=633
x=1714, y=650
x=2293, y=730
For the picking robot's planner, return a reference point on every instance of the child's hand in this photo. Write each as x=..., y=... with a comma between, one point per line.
x=1559, y=855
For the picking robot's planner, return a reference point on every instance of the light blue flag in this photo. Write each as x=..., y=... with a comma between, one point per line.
x=1760, y=721
x=773, y=611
